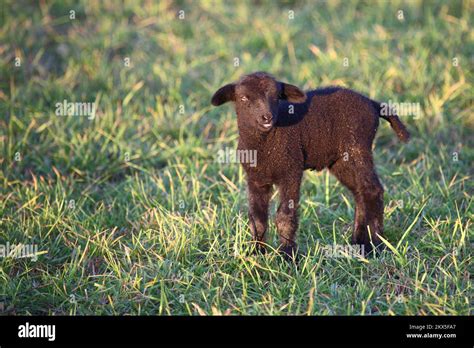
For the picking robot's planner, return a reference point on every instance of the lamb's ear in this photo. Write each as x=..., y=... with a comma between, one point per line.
x=291, y=93
x=223, y=95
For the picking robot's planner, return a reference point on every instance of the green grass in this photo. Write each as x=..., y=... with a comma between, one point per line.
x=130, y=211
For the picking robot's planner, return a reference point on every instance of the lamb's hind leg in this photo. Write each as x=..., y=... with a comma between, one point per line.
x=365, y=186
x=369, y=225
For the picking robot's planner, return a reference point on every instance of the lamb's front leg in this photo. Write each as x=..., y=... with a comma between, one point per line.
x=287, y=214
x=259, y=198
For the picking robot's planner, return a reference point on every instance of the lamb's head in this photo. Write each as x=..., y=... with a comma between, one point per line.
x=256, y=97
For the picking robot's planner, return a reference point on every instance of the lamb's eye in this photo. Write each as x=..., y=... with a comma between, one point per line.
x=244, y=98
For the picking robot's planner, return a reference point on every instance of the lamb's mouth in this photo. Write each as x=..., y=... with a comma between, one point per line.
x=265, y=127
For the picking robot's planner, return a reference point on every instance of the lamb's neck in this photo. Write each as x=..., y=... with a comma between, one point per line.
x=253, y=139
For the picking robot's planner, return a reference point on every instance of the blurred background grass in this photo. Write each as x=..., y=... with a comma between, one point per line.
x=136, y=216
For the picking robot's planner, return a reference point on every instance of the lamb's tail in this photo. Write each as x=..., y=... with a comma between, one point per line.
x=397, y=125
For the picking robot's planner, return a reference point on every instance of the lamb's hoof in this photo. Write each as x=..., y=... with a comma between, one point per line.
x=370, y=250
x=289, y=253
x=257, y=249
x=369, y=247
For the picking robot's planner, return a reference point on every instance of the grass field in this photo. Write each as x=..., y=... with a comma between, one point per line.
x=130, y=211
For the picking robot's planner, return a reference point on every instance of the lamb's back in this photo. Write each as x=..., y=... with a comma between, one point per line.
x=331, y=122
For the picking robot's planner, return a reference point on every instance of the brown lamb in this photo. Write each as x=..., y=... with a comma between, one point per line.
x=292, y=131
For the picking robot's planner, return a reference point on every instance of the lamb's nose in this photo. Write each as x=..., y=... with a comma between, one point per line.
x=267, y=118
